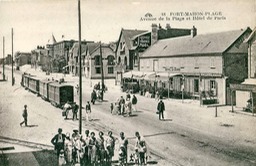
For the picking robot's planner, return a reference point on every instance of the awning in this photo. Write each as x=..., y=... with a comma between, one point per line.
x=134, y=75
x=163, y=76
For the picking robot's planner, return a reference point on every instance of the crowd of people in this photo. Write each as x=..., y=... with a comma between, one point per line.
x=89, y=149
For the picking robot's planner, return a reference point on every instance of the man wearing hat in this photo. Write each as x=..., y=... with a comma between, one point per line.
x=25, y=116
x=58, y=141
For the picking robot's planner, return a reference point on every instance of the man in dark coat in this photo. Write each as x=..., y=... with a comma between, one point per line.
x=161, y=108
x=93, y=96
x=58, y=141
x=75, y=111
x=25, y=116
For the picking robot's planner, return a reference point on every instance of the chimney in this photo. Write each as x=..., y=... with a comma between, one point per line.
x=193, y=32
x=168, y=26
x=154, y=34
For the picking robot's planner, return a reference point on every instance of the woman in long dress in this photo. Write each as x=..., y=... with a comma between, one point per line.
x=68, y=148
x=93, y=148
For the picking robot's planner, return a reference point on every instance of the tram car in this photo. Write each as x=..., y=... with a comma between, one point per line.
x=60, y=93
x=30, y=82
x=57, y=92
x=25, y=80
x=44, y=88
x=33, y=84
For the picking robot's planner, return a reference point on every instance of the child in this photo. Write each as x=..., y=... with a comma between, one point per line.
x=62, y=160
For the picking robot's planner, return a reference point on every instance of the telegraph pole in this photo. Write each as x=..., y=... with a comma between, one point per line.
x=80, y=69
x=102, y=72
x=12, y=59
x=3, y=60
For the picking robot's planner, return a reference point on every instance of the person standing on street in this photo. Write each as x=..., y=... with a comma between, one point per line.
x=88, y=111
x=141, y=148
x=75, y=110
x=25, y=116
x=123, y=142
x=122, y=105
x=93, y=97
x=58, y=141
x=134, y=102
x=161, y=109
x=129, y=107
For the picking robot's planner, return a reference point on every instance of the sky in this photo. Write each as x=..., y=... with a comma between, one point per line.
x=34, y=21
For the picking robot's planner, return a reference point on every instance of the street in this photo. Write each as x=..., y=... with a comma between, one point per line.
x=189, y=135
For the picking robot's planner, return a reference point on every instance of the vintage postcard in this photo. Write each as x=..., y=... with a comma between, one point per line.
x=132, y=82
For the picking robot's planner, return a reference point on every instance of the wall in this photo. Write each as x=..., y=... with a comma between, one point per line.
x=106, y=51
x=122, y=56
x=204, y=64
x=252, y=59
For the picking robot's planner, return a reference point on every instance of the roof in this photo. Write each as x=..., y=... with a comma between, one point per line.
x=128, y=34
x=91, y=47
x=251, y=35
x=52, y=40
x=75, y=46
x=200, y=44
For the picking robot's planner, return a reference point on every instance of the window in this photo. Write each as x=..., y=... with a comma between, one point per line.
x=213, y=87
x=171, y=83
x=111, y=60
x=196, y=85
x=135, y=59
x=97, y=60
x=110, y=70
x=97, y=70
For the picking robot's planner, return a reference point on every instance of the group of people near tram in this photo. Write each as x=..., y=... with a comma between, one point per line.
x=124, y=106
x=89, y=149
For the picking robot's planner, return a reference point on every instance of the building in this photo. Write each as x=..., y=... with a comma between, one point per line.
x=73, y=63
x=99, y=55
x=8, y=59
x=40, y=58
x=246, y=91
x=132, y=43
x=22, y=58
x=59, y=53
x=200, y=66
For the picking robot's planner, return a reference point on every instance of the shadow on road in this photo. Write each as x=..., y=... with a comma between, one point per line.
x=166, y=120
x=32, y=125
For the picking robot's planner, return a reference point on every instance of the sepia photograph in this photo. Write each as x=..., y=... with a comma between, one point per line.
x=127, y=83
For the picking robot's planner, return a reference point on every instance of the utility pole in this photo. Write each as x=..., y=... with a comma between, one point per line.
x=3, y=60
x=102, y=72
x=80, y=69
x=12, y=59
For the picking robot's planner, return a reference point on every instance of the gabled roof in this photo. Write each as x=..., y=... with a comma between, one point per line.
x=75, y=46
x=90, y=47
x=200, y=44
x=128, y=35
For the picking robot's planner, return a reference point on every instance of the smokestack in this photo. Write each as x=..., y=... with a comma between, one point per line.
x=193, y=31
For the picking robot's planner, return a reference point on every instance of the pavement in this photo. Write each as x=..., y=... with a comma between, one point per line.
x=193, y=116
